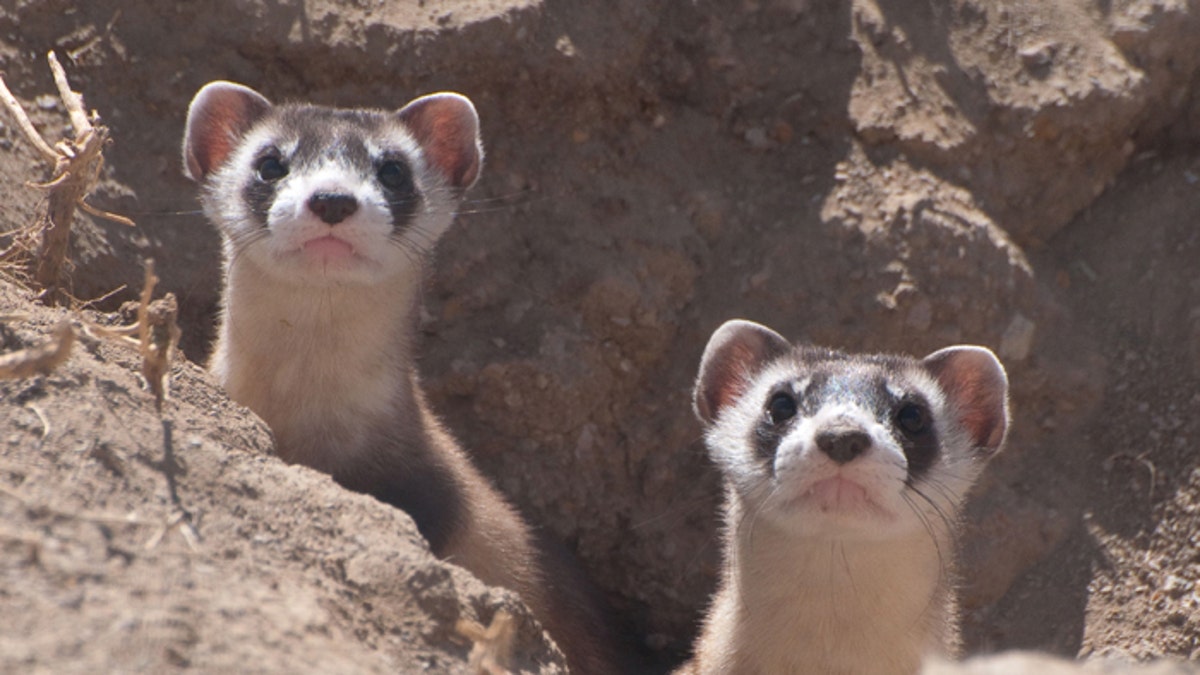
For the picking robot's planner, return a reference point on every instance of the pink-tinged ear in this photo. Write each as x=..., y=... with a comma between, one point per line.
x=735, y=352
x=447, y=128
x=219, y=115
x=976, y=389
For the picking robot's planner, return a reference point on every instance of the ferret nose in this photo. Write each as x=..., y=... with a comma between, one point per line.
x=843, y=445
x=332, y=208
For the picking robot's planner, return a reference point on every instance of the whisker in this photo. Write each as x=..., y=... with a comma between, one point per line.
x=412, y=251
x=921, y=516
x=675, y=512
x=929, y=524
x=525, y=196
x=948, y=518
x=145, y=214
x=242, y=242
x=425, y=234
x=943, y=491
x=841, y=544
x=753, y=515
x=483, y=210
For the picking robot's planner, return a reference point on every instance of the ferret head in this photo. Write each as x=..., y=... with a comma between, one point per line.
x=318, y=196
x=832, y=445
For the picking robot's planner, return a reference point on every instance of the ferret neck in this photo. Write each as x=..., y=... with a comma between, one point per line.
x=321, y=365
x=843, y=603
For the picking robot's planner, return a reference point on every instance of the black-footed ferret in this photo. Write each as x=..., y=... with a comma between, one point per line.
x=328, y=217
x=844, y=479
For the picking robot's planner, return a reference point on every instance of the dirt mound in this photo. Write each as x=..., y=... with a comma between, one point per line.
x=138, y=542
x=882, y=175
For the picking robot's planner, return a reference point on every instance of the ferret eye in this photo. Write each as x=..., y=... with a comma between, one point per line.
x=781, y=407
x=912, y=419
x=270, y=169
x=394, y=175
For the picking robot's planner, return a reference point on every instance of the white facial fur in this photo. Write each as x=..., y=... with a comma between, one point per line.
x=378, y=248
x=797, y=487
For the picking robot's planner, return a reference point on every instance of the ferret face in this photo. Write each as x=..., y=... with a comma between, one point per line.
x=323, y=197
x=319, y=196
x=830, y=445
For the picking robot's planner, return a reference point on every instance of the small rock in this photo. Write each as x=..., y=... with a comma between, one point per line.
x=757, y=138
x=783, y=132
x=586, y=442
x=760, y=278
x=565, y=46
x=1017, y=341
x=1176, y=586
x=1038, y=57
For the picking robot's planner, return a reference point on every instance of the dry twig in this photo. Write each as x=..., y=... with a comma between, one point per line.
x=77, y=165
x=1150, y=468
x=178, y=521
x=18, y=113
x=157, y=333
x=42, y=359
x=41, y=418
x=493, y=645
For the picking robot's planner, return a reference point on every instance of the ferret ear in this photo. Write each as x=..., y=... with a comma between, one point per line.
x=219, y=115
x=447, y=128
x=735, y=352
x=976, y=390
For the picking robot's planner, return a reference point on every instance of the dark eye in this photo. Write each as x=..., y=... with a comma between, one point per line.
x=394, y=175
x=270, y=169
x=912, y=419
x=781, y=407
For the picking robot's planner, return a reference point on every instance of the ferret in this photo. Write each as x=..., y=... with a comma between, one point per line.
x=844, y=479
x=328, y=219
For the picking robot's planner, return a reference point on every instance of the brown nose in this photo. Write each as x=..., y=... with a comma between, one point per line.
x=332, y=208
x=843, y=445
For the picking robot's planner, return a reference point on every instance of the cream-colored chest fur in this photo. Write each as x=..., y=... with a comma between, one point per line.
x=827, y=606
x=321, y=365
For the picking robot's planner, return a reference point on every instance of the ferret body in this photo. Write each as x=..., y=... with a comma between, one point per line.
x=844, y=477
x=328, y=217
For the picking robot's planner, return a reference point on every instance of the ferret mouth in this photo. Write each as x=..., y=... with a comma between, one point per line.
x=839, y=495
x=328, y=248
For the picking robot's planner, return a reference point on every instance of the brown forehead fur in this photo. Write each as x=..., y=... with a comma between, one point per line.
x=809, y=359
x=319, y=130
